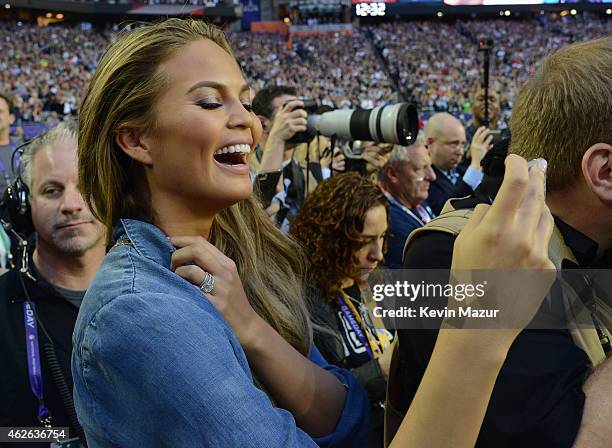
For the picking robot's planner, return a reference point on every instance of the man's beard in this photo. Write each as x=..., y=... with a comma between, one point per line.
x=76, y=244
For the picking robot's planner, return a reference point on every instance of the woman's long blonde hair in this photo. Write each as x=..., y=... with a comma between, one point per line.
x=122, y=95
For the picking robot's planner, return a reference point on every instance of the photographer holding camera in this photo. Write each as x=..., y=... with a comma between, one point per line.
x=282, y=116
x=288, y=121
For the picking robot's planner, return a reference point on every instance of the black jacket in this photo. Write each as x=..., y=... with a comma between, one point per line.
x=18, y=405
x=329, y=342
x=537, y=400
x=443, y=189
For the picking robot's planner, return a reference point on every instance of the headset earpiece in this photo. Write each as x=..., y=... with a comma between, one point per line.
x=16, y=204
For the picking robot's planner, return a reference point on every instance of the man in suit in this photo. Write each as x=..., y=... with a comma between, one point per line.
x=405, y=180
x=445, y=139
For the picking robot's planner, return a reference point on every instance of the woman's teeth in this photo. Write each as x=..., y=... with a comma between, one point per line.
x=242, y=149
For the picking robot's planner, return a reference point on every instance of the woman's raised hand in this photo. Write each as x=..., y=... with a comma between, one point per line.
x=506, y=245
x=195, y=256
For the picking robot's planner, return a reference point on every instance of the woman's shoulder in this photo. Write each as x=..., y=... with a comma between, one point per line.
x=131, y=289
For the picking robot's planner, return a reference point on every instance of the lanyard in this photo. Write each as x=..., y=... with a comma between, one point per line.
x=33, y=357
x=403, y=208
x=354, y=320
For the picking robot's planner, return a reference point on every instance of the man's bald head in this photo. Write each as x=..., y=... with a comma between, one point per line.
x=438, y=122
x=445, y=139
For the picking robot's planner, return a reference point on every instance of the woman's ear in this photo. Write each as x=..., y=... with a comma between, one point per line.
x=597, y=171
x=133, y=142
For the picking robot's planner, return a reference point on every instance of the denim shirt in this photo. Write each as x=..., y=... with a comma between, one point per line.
x=155, y=364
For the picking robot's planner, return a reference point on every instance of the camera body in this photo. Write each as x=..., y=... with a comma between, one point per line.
x=310, y=106
x=496, y=134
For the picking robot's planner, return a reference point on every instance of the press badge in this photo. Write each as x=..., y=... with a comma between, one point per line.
x=75, y=442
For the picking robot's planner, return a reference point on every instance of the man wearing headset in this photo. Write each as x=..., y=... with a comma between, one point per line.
x=38, y=310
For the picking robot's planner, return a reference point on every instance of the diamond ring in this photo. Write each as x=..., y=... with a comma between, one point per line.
x=208, y=283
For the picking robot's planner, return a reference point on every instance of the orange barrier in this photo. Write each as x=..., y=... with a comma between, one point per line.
x=275, y=26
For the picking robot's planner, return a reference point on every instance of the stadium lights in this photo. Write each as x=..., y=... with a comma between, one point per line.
x=501, y=13
x=7, y=6
x=48, y=15
x=59, y=16
x=440, y=14
x=507, y=13
x=608, y=11
x=573, y=12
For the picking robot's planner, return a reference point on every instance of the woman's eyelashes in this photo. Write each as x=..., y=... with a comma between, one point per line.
x=209, y=105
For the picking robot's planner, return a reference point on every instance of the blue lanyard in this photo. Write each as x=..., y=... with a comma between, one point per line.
x=33, y=355
x=405, y=209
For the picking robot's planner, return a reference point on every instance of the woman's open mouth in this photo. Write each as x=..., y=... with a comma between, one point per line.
x=232, y=155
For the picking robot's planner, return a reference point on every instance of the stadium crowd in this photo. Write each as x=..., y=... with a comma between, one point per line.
x=46, y=69
x=338, y=70
x=437, y=64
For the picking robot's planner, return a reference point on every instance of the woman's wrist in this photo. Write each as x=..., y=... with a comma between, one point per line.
x=254, y=335
x=487, y=348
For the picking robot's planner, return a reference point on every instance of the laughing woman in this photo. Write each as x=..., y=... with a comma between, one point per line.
x=158, y=361
x=164, y=131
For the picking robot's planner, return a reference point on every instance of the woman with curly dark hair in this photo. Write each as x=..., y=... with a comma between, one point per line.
x=342, y=226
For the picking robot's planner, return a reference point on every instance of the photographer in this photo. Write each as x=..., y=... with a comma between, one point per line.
x=282, y=116
x=539, y=399
x=366, y=158
x=478, y=112
x=445, y=139
x=69, y=250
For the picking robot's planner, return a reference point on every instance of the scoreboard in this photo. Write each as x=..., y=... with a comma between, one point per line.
x=371, y=8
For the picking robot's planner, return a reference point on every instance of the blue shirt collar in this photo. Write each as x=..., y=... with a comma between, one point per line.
x=148, y=240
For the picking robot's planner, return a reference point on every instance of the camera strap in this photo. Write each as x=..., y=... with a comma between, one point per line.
x=33, y=359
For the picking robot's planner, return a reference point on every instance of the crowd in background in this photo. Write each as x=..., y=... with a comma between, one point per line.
x=437, y=65
x=338, y=70
x=47, y=68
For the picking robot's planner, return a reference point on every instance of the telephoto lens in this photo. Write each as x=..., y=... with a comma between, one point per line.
x=397, y=123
